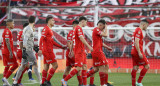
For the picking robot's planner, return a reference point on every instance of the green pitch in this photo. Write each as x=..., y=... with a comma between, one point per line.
x=119, y=79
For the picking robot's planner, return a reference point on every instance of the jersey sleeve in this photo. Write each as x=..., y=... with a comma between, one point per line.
x=44, y=32
x=79, y=31
x=98, y=32
x=69, y=37
x=20, y=37
x=138, y=34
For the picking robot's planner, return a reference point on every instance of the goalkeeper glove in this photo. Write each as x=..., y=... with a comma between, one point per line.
x=36, y=49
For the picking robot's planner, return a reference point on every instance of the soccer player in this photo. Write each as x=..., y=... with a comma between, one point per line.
x=70, y=59
x=28, y=53
x=9, y=59
x=46, y=48
x=138, y=56
x=79, y=51
x=19, y=56
x=100, y=62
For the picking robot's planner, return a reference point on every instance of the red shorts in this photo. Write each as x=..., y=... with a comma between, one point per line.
x=80, y=59
x=49, y=57
x=139, y=62
x=19, y=55
x=69, y=61
x=7, y=61
x=99, y=59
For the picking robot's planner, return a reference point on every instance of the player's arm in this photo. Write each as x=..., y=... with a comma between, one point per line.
x=136, y=43
x=109, y=48
x=104, y=32
x=58, y=44
x=21, y=45
x=26, y=36
x=9, y=47
x=69, y=45
x=85, y=42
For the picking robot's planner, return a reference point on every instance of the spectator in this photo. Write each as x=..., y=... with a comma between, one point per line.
x=14, y=2
x=3, y=10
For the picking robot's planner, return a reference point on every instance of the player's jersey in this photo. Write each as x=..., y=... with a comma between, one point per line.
x=19, y=39
x=48, y=39
x=79, y=46
x=137, y=34
x=97, y=40
x=7, y=34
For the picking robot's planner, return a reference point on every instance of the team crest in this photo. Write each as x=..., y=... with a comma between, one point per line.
x=78, y=29
x=139, y=32
x=7, y=32
x=97, y=29
x=70, y=34
x=44, y=29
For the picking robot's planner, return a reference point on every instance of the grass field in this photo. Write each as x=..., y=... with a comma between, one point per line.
x=119, y=79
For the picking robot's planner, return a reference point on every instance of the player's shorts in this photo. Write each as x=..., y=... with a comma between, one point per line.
x=49, y=57
x=31, y=58
x=139, y=62
x=7, y=61
x=19, y=55
x=99, y=59
x=69, y=61
x=80, y=59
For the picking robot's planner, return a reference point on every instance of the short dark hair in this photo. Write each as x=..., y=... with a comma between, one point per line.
x=48, y=18
x=9, y=20
x=144, y=20
x=82, y=18
x=32, y=19
x=75, y=22
x=25, y=24
x=101, y=21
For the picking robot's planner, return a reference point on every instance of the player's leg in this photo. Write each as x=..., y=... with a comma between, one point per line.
x=20, y=79
x=32, y=61
x=133, y=74
x=92, y=80
x=142, y=74
x=5, y=70
x=67, y=70
x=92, y=71
x=51, y=73
x=102, y=75
x=30, y=73
x=44, y=73
x=84, y=74
x=106, y=75
x=19, y=72
x=76, y=70
x=79, y=77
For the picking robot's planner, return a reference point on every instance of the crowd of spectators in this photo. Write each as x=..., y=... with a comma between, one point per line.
x=33, y=2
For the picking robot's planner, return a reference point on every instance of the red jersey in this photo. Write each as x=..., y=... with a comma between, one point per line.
x=97, y=40
x=79, y=46
x=19, y=38
x=7, y=34
x=137, y=34
x=47, y=43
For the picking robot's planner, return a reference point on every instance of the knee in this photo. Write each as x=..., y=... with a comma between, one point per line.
x=55, y=66
x=147, y=66
x=84, y=67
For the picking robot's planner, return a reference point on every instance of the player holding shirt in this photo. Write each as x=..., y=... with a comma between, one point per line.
x=9, y=59
x=79, y=51
x=46, y=48
x=70, y=59
x=138, y=56
x=100, y=62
